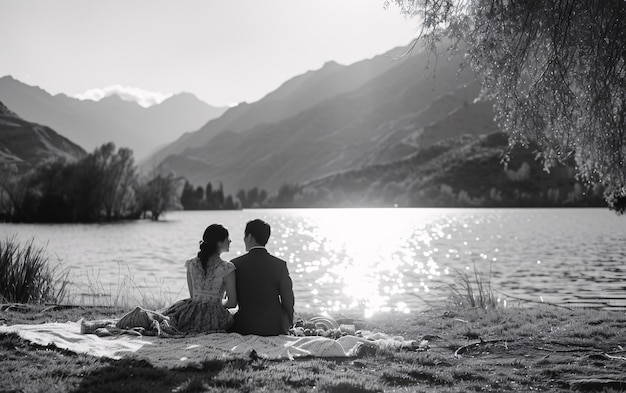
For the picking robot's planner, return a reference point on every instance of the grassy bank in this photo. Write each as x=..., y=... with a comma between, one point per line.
x=517, y=349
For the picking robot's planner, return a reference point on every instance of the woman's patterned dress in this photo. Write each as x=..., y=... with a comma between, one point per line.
x=203, y=312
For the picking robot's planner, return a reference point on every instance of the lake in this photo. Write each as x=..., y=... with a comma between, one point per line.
x=347, y=261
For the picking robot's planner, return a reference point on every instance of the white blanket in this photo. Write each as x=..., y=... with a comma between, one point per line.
x=67, y=336
x=176, y=352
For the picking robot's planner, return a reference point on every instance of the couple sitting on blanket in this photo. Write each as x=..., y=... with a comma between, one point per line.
x=257, y=282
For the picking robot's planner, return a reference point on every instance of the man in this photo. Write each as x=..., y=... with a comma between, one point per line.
x=264, y=287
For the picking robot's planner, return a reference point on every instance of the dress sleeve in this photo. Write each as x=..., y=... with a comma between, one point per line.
x=228, y=268
x=188, y=263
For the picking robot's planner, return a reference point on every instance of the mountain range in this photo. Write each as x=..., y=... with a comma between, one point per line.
x=396, y=129
x=93, y=123
x=334, y=119
x=26, y=144
x=292, y=97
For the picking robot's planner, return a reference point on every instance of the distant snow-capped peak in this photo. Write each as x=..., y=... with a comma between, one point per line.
x=127, y=93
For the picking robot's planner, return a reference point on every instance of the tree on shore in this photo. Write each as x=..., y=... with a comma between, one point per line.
x=15, y=191
x=158, y=194
x=102, y=186
x=555, y=70
x=254, y=197
x=119, y=180
x=199, y=199
x=191, y=198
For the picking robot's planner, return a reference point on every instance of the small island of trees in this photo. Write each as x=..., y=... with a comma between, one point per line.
x=106, y=185
x=101, y=186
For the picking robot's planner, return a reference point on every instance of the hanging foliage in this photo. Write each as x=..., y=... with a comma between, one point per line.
x=555, y=70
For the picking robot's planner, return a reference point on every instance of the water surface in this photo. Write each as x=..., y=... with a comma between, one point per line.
x=362, y=260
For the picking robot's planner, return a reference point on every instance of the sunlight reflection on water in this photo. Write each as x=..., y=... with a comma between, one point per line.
x=359, y=262
x=346, y=261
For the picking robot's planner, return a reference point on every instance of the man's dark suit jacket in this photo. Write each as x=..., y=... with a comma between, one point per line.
x=264, y=294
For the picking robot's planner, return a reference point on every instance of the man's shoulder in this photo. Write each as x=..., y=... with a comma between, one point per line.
x=238, y=259
x=277, y=259
x=266, y=255
x=280, y=263
x=257, y=256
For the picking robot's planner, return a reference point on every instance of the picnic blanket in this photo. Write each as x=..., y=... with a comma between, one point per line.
x=183, y=351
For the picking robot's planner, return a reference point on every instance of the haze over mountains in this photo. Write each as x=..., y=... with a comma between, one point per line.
x=292, y=97
x=93, y=123
x=331, y=120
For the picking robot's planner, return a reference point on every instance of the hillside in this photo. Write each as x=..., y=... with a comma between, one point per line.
x=464, y=171
x=93, y=123
x=385, y=118
x=292, y=97
x=27, y=144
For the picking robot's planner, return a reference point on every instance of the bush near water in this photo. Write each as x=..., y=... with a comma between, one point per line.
x=26, y=275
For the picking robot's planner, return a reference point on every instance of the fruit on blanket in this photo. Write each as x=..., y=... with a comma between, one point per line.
x=348, y=329
x=297, y=331
x=322, y=327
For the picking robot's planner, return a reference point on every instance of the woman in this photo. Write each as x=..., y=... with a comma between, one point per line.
x=212, y=287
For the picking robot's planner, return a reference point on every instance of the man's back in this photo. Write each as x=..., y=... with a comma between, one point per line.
x=264, y=294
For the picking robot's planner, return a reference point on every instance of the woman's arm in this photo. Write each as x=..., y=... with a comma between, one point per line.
x=231, y=291
x=189, y=283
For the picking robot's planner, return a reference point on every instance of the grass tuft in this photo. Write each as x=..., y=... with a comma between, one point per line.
x=470, y=290
x=193, y=385
x=26, y=275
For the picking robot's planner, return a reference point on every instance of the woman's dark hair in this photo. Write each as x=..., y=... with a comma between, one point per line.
x=213, y=234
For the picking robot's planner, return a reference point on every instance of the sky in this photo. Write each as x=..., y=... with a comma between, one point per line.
x=223, y=51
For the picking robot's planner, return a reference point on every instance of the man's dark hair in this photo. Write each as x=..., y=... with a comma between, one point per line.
x=260, y=231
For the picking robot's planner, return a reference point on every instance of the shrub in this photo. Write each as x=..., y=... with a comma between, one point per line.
x=26, y=276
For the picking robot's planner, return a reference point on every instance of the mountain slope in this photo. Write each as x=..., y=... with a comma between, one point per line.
x=462, y=171
x=292, y=97
x=27, y=144
x=93, y=123
x=384, y=119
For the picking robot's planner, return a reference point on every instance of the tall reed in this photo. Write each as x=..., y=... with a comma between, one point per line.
x=126, y=293
x=471, y=290
x=26, y=275
x=464, y=289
